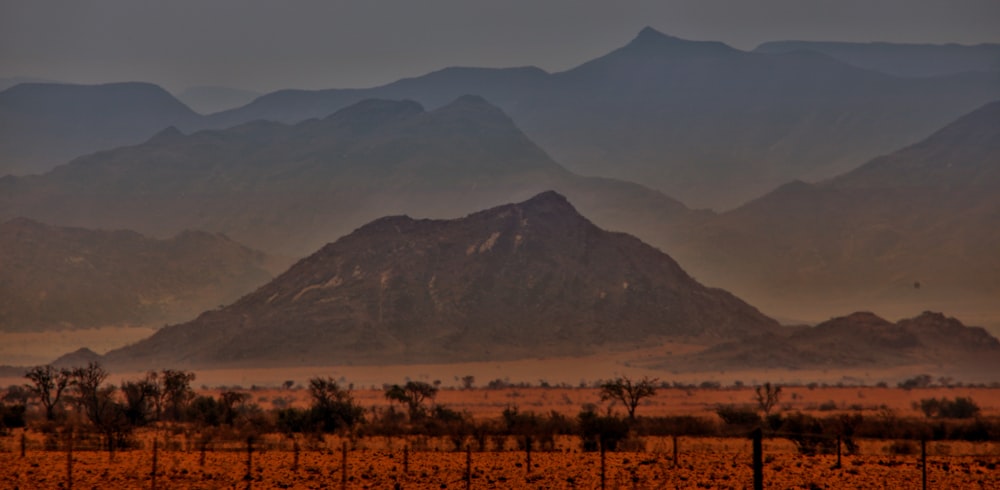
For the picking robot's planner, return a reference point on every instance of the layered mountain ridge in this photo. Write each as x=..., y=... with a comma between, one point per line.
x=57, y=278
x=703, y=122
x=289, y=189
x=916, y=228
x=46, y=124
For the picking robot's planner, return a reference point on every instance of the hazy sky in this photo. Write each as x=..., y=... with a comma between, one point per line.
x=269, y=44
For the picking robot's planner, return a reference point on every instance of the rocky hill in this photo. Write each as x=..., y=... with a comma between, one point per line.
x=860, y=340
x=56, y=277
x=519, y=280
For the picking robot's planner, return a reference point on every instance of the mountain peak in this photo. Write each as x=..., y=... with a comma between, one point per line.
x=77, y=358
x=475, y=110
x=648, y=34
x=549, y=201
x=654, y=40
x=170, y=133
x=471, y=103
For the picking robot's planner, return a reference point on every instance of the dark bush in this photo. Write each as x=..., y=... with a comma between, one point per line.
x=920, y=381
x=541, y=429
x=11, y=416
x=808, y=434
x=598, y=431
x=741, y=416
x=678, y=425
x=979, y=429
x=903, y=447
x=828, y=406
x=205, y=411
x=387, y=422
x=292, y=420
x=333, y=407
x=959, y=408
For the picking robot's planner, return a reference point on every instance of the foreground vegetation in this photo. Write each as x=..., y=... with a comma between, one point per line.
x=80, y=401
x=229, y=436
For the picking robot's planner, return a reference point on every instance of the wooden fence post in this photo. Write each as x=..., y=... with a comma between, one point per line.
x=758, y=459
x=152, y=474
x=343, y=466
x=527, y=452
x=249, y=476
x=923, y=463
x=468, y=466
x=24, y=443
x=603, y=479
x=69, y=459
x=838, y=452
x=406, y=459
x=675, y=452
x=295, y=460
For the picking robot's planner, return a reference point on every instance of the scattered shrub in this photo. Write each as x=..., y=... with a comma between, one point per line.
x=828, y=406
x=598, y=431
x=741, y=416
x=904, y=447
x=809, y=434
x=959, y=408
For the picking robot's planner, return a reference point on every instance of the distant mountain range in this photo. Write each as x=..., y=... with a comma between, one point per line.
x=703, y=122
x=57, y=278
x=519, y=280
x=8, y=82
x=859, y=340
x=905, y=60
x=289, y=189
x=917, y=228
x=207, y=99
x=913, y=230
x=46, y=124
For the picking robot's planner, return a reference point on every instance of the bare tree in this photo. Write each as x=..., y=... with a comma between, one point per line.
x=88, y=381
x=99, y=405
x=48, y=384
x=628, y=392
x=333, y=407
x=141, y=399
x=177, y=392
x=413, y=394
x=230, y=403
x=767, y=397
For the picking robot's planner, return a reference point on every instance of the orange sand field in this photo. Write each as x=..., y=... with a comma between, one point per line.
x=485, y=403
x=376, y=464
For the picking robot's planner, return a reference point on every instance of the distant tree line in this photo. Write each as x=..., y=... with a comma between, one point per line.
x=80, y=399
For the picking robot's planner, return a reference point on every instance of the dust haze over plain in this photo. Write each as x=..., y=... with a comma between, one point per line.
x=264, y=45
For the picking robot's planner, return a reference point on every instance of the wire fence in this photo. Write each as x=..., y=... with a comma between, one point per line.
x=163, y=459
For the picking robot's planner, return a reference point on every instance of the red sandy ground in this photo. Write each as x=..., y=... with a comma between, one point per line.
x=374, y=464
x=485, y=403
